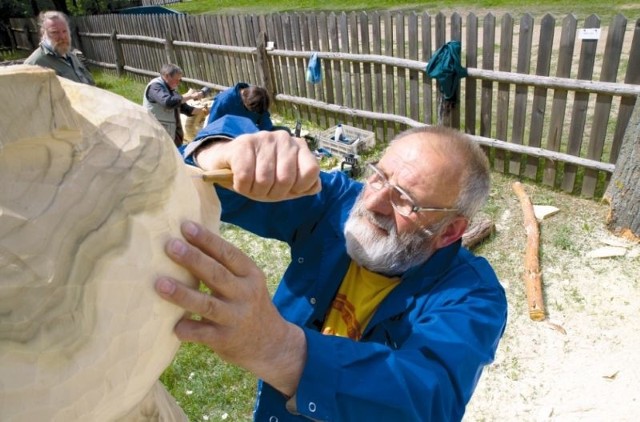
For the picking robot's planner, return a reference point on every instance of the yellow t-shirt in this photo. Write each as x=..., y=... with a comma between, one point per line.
x=357, y=299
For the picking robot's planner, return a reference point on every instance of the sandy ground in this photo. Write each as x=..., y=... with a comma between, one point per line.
x=583, y=362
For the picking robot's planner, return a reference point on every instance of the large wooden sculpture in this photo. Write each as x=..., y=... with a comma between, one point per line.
x=91, y=187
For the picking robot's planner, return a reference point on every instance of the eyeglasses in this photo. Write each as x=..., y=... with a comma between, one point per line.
x=400, y=200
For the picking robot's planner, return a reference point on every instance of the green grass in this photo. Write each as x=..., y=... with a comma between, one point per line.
x=125, y=86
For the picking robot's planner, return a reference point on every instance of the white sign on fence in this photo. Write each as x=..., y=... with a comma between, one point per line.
x=589, y=34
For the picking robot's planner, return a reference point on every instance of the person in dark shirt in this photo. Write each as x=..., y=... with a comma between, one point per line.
x=243, y=100
x=162, y=99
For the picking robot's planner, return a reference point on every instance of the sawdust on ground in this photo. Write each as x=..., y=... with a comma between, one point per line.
x=583, y=362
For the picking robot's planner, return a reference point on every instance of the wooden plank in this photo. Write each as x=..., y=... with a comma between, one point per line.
x=247, y=62
x=471, y=86
x=183, y=53
x=502, y=117
x=345, y=74
x=580, y=104
x=401, y=79
x=336, y=65
x=275, y=61
x=627, y=103
x=289, y=70
x=440, y=34
x=486, y=91
x=212, y=67
x=414, y=75
x=240, y=60
x=389, y=102
x=302, y=40
x=563, y=70
x=600, y=120
x=427, y=85
x=539, y=104
x=356, y=69
x=297, y=23
x=367, y=82
x=279, y=25
x=234, y=74
x=456, y=35
x=378, y=86
x=521, y=91
x=213, y=59
x=326, y=88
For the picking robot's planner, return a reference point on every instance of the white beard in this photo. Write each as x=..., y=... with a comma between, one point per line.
x=62, y=48
x=389, y=254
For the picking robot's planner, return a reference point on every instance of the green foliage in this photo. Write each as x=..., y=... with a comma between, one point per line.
x=15, y=9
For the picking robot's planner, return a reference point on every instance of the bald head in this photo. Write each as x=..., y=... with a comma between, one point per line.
x=461, y=166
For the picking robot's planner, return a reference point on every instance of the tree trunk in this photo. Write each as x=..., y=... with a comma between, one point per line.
x=623, y=193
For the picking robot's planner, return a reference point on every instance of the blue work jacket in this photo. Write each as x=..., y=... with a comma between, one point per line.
x=421, y=355
x=229, y=101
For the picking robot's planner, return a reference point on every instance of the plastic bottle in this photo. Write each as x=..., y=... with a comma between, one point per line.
x=338, y=134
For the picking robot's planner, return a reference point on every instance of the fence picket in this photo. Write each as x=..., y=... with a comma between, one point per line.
x=539, y=104
x=580, y=104
x=488, y=43
x=471, y=86
x=504, y=90
x=521, y=91
x=427, y=86
x=374, y=76
x=563, y=70
x=609, y=73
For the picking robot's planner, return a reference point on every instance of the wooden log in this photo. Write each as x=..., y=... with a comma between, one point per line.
x=532, y=276
x=477, y=232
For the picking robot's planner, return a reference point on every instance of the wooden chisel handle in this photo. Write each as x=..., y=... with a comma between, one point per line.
x=220, y=176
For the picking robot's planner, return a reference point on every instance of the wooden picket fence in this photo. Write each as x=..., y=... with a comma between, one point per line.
x=550, y=100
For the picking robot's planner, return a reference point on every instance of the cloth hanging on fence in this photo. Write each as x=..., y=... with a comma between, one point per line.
x=445, y=67
x=314, y=69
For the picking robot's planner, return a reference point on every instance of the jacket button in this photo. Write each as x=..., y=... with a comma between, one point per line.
x=300, y=260
x=273, y=419
x=312, y=407
x=312, y=300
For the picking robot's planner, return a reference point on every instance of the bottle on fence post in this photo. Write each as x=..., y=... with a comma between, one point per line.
x=338, y=134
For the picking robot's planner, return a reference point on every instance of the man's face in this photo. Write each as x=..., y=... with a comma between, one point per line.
x=378, y=236
x=57, y=33
x=374, y=242
x=173, y=81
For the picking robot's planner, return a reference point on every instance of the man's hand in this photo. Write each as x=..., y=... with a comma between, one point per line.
x=266, y=166
x=238, y=320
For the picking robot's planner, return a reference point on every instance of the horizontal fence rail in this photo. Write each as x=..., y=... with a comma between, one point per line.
x=548, y=101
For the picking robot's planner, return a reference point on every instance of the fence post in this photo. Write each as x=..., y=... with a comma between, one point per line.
x=262, y=61
x=117, y=48
x=168, y=48
x=28, y=38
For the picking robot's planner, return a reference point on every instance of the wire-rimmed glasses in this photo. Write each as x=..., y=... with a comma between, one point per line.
x=400, y=200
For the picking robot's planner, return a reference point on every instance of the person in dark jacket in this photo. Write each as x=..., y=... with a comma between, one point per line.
x=244, y=100
x=381, y=315
x=162, y=99
x=55, y=50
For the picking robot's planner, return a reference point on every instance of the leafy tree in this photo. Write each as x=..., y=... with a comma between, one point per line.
x=15, y=9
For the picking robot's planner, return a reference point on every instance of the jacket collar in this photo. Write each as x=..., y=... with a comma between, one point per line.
x=416, y=281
